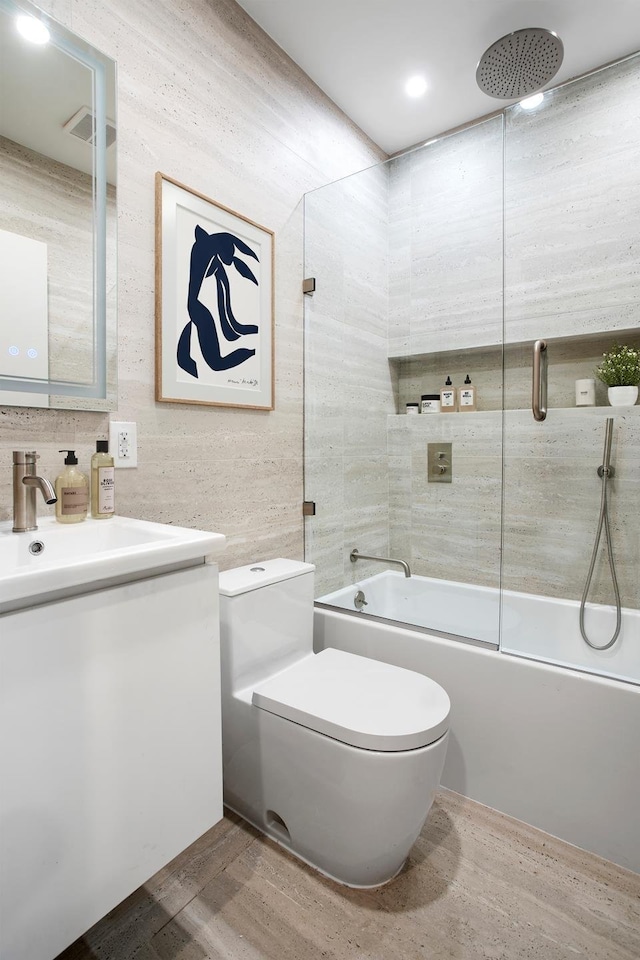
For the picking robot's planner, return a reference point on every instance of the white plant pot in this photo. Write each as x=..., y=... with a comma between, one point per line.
x=622, y=396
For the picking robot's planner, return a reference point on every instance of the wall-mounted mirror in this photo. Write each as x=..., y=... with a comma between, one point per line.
x=58, y=343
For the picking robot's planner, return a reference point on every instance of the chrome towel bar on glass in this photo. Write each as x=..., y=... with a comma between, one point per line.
x=539, y=385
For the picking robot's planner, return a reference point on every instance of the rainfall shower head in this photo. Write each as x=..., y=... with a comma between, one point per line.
x=519, y=63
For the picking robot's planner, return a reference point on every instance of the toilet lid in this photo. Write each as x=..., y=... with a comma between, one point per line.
x=359, y=701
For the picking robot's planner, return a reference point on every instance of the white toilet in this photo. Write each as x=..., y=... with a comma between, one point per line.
x=334, y=756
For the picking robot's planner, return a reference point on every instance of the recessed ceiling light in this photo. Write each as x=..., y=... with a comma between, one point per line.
x=32, y=29
x=415, y=86
x=530, y=103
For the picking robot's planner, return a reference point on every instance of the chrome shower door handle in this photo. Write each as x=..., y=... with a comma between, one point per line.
x=539, y=386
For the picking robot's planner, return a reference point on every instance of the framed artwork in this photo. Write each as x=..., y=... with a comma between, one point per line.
x=214, y=302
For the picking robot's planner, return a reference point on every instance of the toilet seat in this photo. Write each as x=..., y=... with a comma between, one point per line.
x=361, y=702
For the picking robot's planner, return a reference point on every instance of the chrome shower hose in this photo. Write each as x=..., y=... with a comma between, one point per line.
x=605, y=472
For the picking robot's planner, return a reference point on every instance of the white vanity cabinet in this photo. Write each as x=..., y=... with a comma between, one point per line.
x=110, y=748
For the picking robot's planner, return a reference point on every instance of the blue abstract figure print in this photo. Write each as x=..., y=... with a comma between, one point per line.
x=210, y=254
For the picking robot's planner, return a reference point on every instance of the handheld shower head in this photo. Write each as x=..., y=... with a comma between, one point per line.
x=606, y=455
x=605, y=472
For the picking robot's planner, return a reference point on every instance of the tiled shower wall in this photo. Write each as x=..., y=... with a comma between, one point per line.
x=572, y=209
x=446, y=203
x=207, y=98
x=348, y=386
x=552, y=491
x=445, y=212
x=571, y=253
x=572, y=214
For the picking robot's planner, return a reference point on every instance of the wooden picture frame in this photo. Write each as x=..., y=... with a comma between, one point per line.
x=214, y=302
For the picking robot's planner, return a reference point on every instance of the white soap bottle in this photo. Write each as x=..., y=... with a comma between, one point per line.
x=103, y=503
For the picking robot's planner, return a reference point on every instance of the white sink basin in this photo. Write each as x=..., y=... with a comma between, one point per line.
x=59, y=556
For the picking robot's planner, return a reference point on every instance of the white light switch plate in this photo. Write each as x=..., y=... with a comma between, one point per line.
x=123, y=444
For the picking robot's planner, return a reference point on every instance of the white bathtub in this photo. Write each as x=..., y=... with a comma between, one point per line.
x=528, y=625
x=555, y=748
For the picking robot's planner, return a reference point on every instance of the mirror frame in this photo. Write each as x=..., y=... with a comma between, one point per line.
x=91, y=58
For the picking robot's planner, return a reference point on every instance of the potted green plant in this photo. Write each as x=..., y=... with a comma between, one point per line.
x=620, y=370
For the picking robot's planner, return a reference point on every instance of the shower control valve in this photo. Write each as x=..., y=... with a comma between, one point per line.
x=359, y=601
x=439, y=469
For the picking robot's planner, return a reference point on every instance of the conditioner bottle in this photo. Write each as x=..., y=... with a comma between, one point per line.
x=72, y=491
x=467, y=397
x=102, y=482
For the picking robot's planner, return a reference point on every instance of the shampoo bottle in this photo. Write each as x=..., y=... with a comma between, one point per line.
x=72, y=491
x=467, y=401
x=448, y=397
x=102, y=482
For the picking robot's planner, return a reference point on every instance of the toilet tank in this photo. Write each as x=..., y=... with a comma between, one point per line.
x=266, y=620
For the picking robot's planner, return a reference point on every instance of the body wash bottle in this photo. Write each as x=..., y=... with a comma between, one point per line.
x=72, y=491
x=467, y=394
x=448, y=397
x=102, y=482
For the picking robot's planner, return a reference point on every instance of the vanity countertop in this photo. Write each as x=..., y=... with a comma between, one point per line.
x=65, y=557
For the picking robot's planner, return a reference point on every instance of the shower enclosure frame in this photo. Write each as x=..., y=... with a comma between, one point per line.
x=512, y=368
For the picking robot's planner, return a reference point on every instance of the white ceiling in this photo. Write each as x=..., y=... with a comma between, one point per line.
x=361, y=52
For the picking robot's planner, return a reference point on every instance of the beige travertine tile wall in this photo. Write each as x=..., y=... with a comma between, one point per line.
x=448, y=530
x=552, y=500
x=207, y=98
x=348, y=385
x=446, y=213
x=572, y=208
x=571, y=252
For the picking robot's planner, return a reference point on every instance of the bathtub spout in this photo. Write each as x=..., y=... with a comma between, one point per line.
x=356, y=555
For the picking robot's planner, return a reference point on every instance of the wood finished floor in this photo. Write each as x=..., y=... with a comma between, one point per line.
x=477, y=885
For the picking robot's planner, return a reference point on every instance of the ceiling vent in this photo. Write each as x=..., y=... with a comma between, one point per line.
x=82, y=126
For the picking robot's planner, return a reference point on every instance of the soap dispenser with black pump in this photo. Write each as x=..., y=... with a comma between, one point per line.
x=72, y=491
x=448, y=397
x=467, y=397
x=103, y=502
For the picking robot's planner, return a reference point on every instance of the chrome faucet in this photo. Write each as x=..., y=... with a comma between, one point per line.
x=356, y=555
x=25, y=482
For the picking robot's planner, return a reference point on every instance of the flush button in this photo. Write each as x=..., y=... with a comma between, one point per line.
x=256, y=569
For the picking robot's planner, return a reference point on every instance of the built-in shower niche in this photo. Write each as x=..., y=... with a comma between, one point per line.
x=503, y=375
